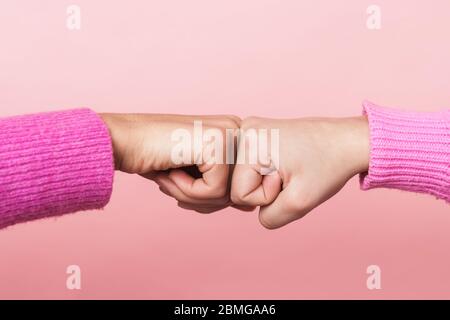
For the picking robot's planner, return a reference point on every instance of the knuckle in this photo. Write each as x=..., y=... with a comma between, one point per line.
x=237, y=198
x=298, y=203
x=267, y=224
x=296, y=206
x=234, y=121
x=250, y=122
x=220, y=192
x=229, y=123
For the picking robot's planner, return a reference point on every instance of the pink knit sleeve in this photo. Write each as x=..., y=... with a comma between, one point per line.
x=52, y=164
x=408, y=151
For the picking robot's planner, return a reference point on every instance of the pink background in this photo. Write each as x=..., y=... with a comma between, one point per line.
x=248, y=57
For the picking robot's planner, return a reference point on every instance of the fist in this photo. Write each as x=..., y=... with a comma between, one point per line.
x=150, y=145
x=314, y=159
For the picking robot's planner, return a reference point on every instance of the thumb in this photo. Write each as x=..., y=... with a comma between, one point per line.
x=287, y=207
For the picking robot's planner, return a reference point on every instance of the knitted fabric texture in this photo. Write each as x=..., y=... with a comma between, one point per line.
x=408, y=151
x=52, y=164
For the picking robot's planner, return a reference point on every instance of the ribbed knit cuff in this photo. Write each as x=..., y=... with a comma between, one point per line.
x=408, y=151
x=52, y=164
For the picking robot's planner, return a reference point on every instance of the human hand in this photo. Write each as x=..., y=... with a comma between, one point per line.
x=316, y=157
x=144, y=144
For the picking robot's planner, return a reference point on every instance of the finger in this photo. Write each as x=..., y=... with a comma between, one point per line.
x=201, y=209
x=170, y=188
x=211, y=208
x=204, y=205
x=287, y=207
x=250, y=188
x=212, y=185
x=244, y=208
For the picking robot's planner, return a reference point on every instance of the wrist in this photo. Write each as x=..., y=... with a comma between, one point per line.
x=110, y=121
x=355, y=143
x=361, y=150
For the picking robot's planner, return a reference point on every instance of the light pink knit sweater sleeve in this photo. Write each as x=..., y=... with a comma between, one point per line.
x=52, y=164
x=408, y=151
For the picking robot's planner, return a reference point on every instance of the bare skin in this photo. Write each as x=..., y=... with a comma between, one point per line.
x=317, y=157
x=143, y=145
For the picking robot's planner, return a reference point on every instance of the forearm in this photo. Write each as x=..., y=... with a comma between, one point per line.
x=52, y=164
x=408, y=151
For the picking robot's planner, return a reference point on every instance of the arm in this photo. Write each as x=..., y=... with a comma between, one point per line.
x=317, y=156
x=62, y=162
x=408, y=151
x=52, y=164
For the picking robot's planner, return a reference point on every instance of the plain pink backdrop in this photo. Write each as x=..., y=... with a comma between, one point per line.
x=247, y=57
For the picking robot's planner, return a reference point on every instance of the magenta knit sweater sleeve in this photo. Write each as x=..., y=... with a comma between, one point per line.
x=52, y=164
x=408, y=151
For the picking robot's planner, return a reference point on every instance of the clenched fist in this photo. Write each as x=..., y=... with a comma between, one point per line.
x=314, y=159
x=147, y=144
